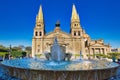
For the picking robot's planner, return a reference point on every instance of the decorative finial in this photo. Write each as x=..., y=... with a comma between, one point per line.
x=57, y=24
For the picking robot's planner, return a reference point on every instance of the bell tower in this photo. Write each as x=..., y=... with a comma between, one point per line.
x=39, y=30
x=76, y=30
x=39, y=33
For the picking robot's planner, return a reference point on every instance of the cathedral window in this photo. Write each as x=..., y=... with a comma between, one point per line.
x=38, y=46
x=78, y=33
x=40, y=33
x=36, y=33
x=74, y=24
x=74, y=33
x=38, y=50
x=86, y=43
x=40, y=25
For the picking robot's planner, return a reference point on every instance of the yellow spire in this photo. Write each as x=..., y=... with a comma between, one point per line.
x=40, y=14
x=75, y=15
x=78, y=17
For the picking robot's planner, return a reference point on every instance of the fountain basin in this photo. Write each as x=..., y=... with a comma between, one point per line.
x=32, y=69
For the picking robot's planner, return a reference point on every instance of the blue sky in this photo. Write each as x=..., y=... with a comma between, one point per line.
x=100, y=19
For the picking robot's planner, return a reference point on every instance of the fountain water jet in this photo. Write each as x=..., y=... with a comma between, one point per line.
x=56, y=52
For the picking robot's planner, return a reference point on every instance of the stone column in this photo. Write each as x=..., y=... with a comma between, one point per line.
x=90, y=50
x=83, y=48
x=74, y=46
x=33, y=47
x=105, y=51
x=41, y=47
x=100, y=51
x=93, y=49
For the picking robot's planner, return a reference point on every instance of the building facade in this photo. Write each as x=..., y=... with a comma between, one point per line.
x=74, y=42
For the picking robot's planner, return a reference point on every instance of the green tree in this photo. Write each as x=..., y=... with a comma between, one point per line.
x=2, y=47
x=22, y=47
x=17, y=51
x=16, y=48
x=16, y=54
x=24, y=54
x=3, y=50
x=28, y=49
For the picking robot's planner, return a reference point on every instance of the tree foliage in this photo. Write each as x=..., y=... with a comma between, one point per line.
x=115, y=55
x=28, y=49
x=3, y=49
x=16, y=51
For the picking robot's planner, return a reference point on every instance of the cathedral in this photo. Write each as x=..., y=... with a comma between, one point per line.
x=74, y=42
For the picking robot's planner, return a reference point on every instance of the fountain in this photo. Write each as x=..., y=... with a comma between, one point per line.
x=57, y=68
x=56, y=52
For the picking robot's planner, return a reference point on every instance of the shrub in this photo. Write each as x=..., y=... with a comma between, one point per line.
x=3, y=53
x=113, y=55
x=38, y=55
x=68, y=56
x=16, y=54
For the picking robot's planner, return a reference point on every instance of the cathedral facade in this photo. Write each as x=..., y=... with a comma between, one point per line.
x=74, y=42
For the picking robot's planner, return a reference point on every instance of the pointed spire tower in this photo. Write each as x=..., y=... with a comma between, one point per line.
x=75, y=16
x=39, y=30
x=40, y=15
x=76, y=29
